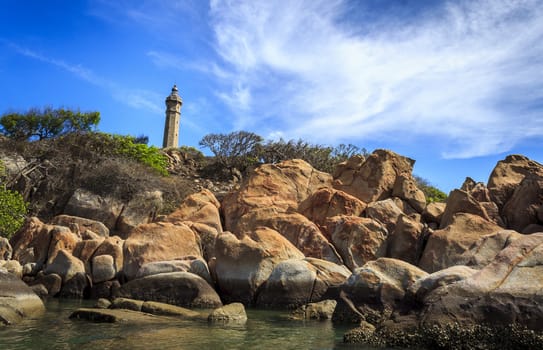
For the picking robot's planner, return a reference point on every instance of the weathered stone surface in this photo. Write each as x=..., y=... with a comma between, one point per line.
x=84, y=250
x=425, y=285
x=112, y=246
x=17, y=300
x=156, y=267
x=358, y=240
x=322, y=310
x=5, y=249
x=485, y=249
x=299, y=230
x=51, y=282
x=163, y=309
x=234, y=312
x=102, y=303
x=61, y=239
x=283, y=186
x=243, y=263
x=462, y=202
x=103, y=268
x=12, y=266
x=190, y=264
x=31, y=242
x=508, y=174
x=405, y=242
x=107, y=289
x=76, y=288
x=82, y=224
x=406, y=188
x=434, y=212
x=296, y=282
x=201, y=207
x=386, y=212
x=506, y=291
x=328, y=202
x=40, y=290
x=127, y=304
x=445, y=247
x=65, y=265
x=177, y=288
x=374, y=178
x=158, y=242
x=92, y=206
x=207, y=236
x=374, y=290
x=141, y=209
x=115, y=316
x=522, y=207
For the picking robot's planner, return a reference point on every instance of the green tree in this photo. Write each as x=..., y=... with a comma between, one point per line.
x=12, y=212
x=236, y=150
x=46, y=123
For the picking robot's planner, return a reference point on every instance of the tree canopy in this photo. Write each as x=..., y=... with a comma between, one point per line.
x=46, y=123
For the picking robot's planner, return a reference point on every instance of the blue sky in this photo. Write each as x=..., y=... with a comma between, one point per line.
x=455, y=85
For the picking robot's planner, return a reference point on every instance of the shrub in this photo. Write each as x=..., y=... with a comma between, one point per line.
x=12, y=212
x=433, y=194
x=236, y=150
x=192, y=152
x=324, y=158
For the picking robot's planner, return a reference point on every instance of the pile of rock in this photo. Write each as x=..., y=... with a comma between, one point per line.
x=291, y=235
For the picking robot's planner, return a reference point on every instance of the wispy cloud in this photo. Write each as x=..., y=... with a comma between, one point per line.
x=467, y=73
x=136, y=98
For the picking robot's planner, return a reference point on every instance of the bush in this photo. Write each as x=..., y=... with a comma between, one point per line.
x=47, y=123
x=12, y=212
x=323, y=158
x=192, y=152
x=98, y=145
x=236, y=150
x=433, y=194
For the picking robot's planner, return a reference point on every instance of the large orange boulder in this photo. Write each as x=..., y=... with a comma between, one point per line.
x=460, y=201
x=299, y=230
x=521, y=210
x=372, y=179
x=201, y=207
x=282, y=186
x=508, y=174
x=358, y=240
x=244, y=262
x=158, y=242
x=328, y=202
x=406, y=241
x=446, y=247
x=507, y=291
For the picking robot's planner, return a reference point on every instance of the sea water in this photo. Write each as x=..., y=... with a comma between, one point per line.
x=264, y=330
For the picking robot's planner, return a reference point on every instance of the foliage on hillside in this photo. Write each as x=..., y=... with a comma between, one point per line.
x=242, y=150
x=432, y=193
x=47, y=123
x=12, y=207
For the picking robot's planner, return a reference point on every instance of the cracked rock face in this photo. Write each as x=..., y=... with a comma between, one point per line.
x=508, y=290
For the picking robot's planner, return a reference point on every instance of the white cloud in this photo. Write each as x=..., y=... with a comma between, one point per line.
x=467, y=73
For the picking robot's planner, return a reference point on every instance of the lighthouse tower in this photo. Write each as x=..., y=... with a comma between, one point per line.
x=173, y=115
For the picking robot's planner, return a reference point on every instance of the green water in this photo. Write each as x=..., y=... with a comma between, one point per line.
x=263, y=330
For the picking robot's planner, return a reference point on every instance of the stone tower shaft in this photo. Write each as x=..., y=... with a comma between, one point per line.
x=173, y=116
